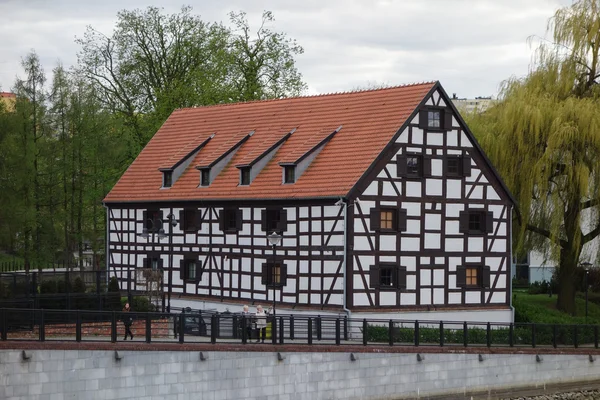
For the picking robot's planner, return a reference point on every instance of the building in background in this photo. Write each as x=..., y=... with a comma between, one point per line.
x=478, y=104
x=9, y=99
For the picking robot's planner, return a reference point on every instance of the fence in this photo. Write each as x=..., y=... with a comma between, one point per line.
x=212, y=327
x=19, y=266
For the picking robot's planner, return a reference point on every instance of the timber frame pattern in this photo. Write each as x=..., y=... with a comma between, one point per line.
x=428, y=251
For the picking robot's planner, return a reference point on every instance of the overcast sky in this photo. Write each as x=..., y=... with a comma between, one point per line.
x=468, y=45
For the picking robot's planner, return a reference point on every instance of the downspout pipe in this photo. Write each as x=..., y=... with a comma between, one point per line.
x=342, y=202
x=107, y=244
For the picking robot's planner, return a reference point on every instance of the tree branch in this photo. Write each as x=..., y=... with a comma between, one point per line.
x=546, y=233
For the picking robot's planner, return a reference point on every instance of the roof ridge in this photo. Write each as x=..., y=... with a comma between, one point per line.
x=310, y=96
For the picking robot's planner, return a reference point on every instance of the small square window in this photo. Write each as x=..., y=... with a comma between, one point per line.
x=272, y=222
x=153, y=221
x=245, y=176
x=276, y=274
x=386, y=277
x=204, y=177
x=167, y=179
x=475, y=222
x=453, y=165
x=413, y=165
x=472, y=276
x=388, y=219
x=230, y=220
x=433, y=119
x=290, y=174
x=154, y=263
x=190, y=269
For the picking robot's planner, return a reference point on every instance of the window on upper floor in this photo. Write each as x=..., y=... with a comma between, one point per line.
x=387, y=277
x=153, y=262
x=230, y=220
x=274, y=274
x=190, y=220
x=473, y=276
x=153, y=220
x=435, y=118
x=458, y=166
x=274, y=220
x=413, y=165
x=476, y=222
x=205, y=177
x=245, y=176
x=289, y=172
x=388, y=219
x=167, y=179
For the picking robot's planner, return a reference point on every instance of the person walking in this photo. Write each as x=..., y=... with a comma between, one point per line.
x=261, y=324
x=127, y=321
x=248, y=317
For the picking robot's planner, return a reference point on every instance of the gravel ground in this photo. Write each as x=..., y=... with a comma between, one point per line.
x=580, y=395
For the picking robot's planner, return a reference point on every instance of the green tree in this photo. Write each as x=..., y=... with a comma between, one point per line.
x=544, y=136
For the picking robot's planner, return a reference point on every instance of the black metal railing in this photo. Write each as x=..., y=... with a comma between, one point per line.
x=200, y=326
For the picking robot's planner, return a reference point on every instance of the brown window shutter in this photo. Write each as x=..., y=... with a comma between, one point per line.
x=160, y=263
x=198, y=270
x=426, y=166
x=263, y=220
x=485, y=276
x=182, y=222
x=197, y=220
x=401, y=284
x=182, y=271
x=222, y=220
x=238, y=219
x=463, y=222
x=461, y=276
x=265, y=274
x=447, y=119
x=489, y=222
x=283, y=274
x=466, y=165
x=423, y=119
x=282, y=224
x=402, y=216
x=146, y=262
x=145, y=219
x=375, y=219
x=400, y=166
x=374, y=276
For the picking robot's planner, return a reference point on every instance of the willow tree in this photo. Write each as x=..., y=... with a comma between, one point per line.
x=544, y=136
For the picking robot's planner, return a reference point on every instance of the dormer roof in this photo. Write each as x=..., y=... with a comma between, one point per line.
x=370, y=119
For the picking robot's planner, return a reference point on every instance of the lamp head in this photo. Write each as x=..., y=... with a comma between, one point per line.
x=144, y=233
x=274, y=239
x=161, y=234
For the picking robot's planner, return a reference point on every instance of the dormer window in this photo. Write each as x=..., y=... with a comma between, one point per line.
x=167, y=179
x=245, y=176
x=433, y=119
x=205, y=177
x=289, y=174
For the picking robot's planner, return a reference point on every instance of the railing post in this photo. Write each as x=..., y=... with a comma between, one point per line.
x=182, y=326
x=42, y=326
x=575, y=338
x=441, y=333
x=554, y=335
x=338, y=332
x=596, y=336
x=310, y=329
x=244, y=330
x=319, y=328
x=465, y=334
x=148, y=328
x=213, y=328
x=291, y=327
x=511, y=332
x=281, y=332
x=78, y=326
x=346, y=328
x=4, y=325
x=365, y=326
x=234, y=324
x=274, y=330
x=488, y=335
x=532, y=335
x=113, y=327
x=417, y=335
x=391, y=332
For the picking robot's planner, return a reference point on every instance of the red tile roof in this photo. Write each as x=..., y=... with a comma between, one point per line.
x=369, y=119
x=8, y=94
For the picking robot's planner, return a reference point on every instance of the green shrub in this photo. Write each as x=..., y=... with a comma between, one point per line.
x=139, y=304
x=79, y=286
x=113, y=285
x=48, y=287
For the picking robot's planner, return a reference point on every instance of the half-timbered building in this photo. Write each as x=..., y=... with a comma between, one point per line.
x=385, y=203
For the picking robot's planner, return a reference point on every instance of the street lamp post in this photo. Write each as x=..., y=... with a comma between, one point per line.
x=274, y=239
x=587, y=266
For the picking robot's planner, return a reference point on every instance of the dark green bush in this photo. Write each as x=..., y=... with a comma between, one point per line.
x=79, y=286
x=139, y=304
x=48, y=286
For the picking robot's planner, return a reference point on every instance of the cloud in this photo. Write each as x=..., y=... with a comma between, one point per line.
x=470, y=46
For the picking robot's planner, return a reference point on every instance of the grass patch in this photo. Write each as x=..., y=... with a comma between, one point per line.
x=540, y=308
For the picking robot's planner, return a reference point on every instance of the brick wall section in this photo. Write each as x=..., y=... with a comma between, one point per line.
x=90, y=371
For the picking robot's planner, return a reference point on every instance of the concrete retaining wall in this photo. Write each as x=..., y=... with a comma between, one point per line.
x=224, y=375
